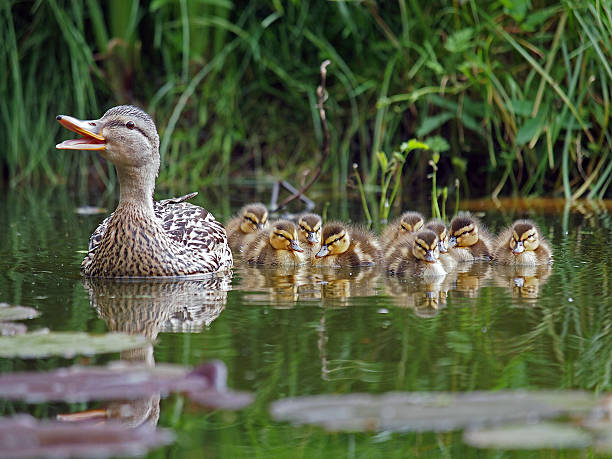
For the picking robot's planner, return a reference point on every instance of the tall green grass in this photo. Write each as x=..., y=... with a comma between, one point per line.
x=520, y=90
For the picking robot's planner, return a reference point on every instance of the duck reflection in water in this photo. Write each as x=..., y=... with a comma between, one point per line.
x=146, y=307
x=470, y=277
x=283, y=287
x=426, y=297
x=279, y=286
x=524, y=282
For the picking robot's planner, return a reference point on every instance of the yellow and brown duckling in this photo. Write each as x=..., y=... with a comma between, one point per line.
x=438, y=227
x=250, y=219
x=143, y=238
x=408, y=222
x=522, y=244
x=309, y=232
x=415, y=254
x=345, y=245
x=469, y=240
x=276, y=246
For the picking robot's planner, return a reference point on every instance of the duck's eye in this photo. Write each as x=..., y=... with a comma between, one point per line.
x=130, y=125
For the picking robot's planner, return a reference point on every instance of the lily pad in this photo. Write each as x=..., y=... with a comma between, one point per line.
x=206, y=384
x=25, y=436
x=12, y=329
x=10, y=313
x=544, y=435
x=437, y=412
x=66, y=344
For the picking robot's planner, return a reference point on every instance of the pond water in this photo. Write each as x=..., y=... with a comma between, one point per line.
x=287, y=333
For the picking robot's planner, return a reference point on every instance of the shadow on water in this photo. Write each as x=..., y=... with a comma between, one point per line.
x=286, y=333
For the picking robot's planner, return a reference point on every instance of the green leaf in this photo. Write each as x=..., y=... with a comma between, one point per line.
x=413, y=144
x=460, y=40
x=437, y=143
x=433, y=122
x=529, y=130
x=67, y=344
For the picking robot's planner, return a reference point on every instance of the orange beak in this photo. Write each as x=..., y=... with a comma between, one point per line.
x=89, y=130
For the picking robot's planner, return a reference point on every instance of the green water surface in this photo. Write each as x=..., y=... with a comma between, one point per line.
x=284, y=334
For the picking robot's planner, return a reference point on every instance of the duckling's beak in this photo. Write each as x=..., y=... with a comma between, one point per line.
x=89, y=129
x=520, y=248
x=429, y=257
x=442, y=247
x=312, y=237
x=452, y=242
x=295, y=246
x=323, y=252
x=261, y=226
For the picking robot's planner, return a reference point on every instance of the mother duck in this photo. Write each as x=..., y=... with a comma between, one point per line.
x=144, y=238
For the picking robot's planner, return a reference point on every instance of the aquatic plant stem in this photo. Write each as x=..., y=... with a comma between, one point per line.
x=364, y=201
x=322, y=97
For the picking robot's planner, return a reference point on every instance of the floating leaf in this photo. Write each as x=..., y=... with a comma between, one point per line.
x=205, y=384
x=67, y=344
x=545, y=435
x=438, y=412
x=25, y=436
x=12, y=329
x=10, y=313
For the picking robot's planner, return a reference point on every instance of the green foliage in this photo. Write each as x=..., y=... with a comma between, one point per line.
x=519, y=89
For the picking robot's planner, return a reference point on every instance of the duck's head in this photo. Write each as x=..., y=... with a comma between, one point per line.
x=283, y=236
x=439, y=228
x=309, y=228
x=525, y=237
x=335, y=240
x=463, y=232
x=127, y=137
x=411, y=222
x=254, y=217
x=425, y=246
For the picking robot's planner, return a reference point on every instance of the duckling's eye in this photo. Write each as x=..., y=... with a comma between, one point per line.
x=130, y=125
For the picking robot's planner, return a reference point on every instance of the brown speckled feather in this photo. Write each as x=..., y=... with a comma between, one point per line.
x=193, y=240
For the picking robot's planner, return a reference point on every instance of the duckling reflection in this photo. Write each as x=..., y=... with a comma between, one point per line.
x=339, y=285
x=146, y=308
x=470, y=278
x=524, y=282
x=281, y=286
x=425, y=296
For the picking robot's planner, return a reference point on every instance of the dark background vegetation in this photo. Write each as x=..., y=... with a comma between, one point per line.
x=514, y=94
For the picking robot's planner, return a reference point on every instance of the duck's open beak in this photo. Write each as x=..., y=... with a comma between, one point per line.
x=89, y=129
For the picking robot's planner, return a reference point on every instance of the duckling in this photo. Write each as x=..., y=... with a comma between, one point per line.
x=522, y=244
x=469, y=240
x=144, y=238
x=408, y=222
x=309, y=232
x=438, y=227
x=417, y=254
x=277, y=246
x=251, y=218
x=343, y=245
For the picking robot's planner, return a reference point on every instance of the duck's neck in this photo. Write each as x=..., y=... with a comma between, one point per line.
x=136, y=188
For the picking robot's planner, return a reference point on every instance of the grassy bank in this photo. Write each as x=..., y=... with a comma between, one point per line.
x=517, y=90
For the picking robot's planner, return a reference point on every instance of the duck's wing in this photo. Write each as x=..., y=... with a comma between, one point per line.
x=174, y=216
x=196, y=228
